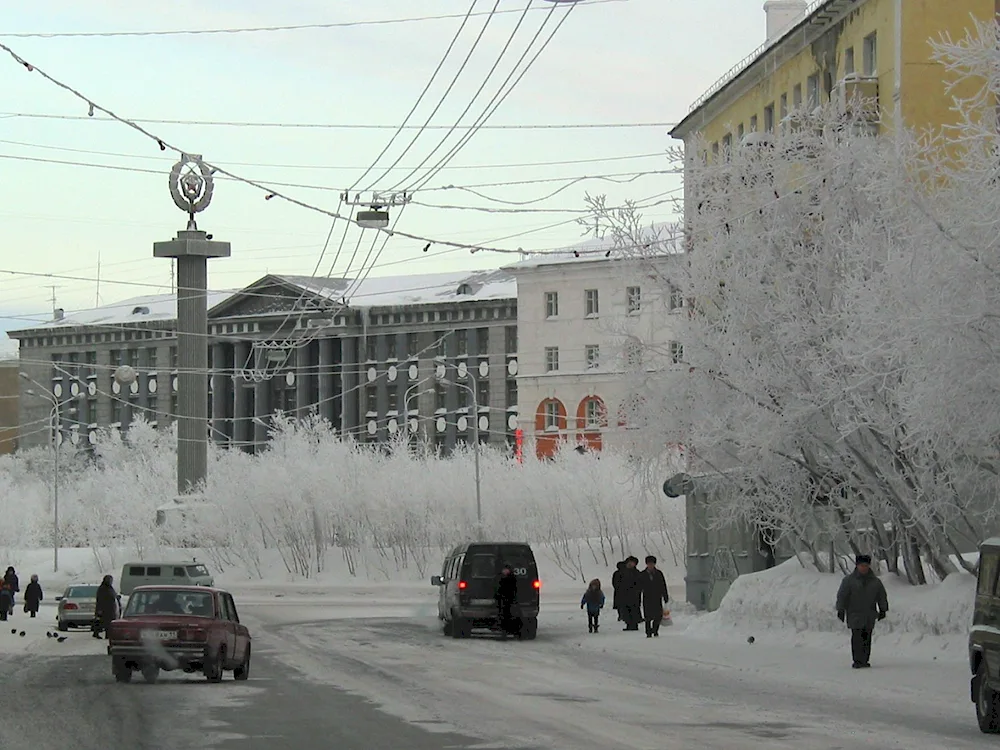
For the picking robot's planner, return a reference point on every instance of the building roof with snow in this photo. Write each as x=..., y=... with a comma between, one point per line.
x=606, y=249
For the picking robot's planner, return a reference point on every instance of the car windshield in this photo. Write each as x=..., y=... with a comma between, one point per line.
x=80, y=592
x=169, y=602
x=197, y=571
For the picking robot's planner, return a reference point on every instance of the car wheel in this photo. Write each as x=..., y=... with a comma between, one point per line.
x=448, y=627
x=987, y=703
x=150, y=672
x=529, y=629
x=215, y=667
x=242, y=672
x=120, y=670
x=459, y=626
x=63, y=627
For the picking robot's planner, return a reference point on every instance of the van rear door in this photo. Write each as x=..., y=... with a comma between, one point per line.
x=481, y=571
x=522, y=563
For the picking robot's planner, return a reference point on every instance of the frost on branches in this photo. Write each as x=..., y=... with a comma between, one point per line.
x=841, y=378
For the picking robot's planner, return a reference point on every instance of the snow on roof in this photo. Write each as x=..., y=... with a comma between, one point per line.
x=992, y=542
x=588, y=251
x=159, y=307
x=422, y=289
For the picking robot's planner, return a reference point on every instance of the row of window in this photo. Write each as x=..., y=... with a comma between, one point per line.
x=869, y=69
x=592, y=355
x=409, y=344
x=147, y=358
x=463, y=396
x=592, y=302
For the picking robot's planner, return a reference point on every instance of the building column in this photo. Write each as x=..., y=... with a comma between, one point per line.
x=325, y=376
x=304, y=372
x=241, y=396
x=219, y=393
x=261, y=413
x=350, y=417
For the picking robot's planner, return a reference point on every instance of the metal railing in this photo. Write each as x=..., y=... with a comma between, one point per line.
x=747, y=61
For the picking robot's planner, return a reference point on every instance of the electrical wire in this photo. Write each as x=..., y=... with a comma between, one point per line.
x=256, y=29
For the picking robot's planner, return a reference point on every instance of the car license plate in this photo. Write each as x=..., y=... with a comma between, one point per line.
x=481, y=602
x=87, y=607
x=159, y=635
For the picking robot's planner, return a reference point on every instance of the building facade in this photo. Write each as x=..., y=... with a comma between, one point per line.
x=872, y=51
x=10, y=396
x=586, y=322
x=436, y=353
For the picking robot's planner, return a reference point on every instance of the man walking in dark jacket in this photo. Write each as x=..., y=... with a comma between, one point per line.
x=654, y=597
x=105, y=606
x=861, y=602
x=630, y=594
x=506, y=599
x=616, y=582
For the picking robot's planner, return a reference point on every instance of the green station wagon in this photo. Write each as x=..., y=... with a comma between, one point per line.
x=984, y=639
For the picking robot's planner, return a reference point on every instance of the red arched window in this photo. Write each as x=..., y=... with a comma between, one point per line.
x=550, y=427
x=591, y=419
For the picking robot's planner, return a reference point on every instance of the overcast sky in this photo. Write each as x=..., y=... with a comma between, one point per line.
x=623, y=62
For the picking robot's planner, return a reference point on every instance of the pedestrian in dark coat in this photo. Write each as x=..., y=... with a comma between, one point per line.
x=616, y=579
x=32, y=596
x=861, y=602
x=10, y=577
x=105, y=606
x=6, y=599
x=654, y=597
x=593, y=599
x=630, y=594
x=506, y=599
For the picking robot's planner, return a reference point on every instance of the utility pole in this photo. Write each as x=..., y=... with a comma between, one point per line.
x=97, y=294
x=191, y=187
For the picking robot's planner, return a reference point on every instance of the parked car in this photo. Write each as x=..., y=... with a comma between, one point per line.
x=76, y=606
x=984, y=639
x=468, y=584
x=160, y=573
x=188, y=628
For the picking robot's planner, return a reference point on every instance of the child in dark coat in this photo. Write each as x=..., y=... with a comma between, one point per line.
x=593, y=600
x=32, y=596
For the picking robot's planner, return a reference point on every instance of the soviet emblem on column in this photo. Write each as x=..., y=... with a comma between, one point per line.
x=191, y=186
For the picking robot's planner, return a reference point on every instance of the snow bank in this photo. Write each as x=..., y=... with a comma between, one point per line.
x=795, y=604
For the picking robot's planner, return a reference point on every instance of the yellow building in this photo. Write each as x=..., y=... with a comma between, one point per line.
x=832, y=51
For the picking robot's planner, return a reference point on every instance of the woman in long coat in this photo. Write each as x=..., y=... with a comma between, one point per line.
x=106, y=606
x=32, y=596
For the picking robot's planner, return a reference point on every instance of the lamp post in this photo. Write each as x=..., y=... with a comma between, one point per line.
x=409, y=394
x=56, y=434
x=474, y=390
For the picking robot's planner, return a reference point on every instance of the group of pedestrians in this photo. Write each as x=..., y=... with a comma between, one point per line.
x=10, y=586
x=639, y=595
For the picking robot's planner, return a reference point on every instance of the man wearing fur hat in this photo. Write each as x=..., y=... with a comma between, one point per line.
x=861, y=602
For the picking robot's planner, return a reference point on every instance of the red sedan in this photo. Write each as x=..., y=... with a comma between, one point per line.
x=188, y=628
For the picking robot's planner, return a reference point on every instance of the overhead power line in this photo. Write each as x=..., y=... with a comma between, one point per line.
x=345, y=126
x=268, y=29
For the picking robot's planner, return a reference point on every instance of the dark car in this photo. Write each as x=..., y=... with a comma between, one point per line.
x=468, y=583
x=984, y=639
x=188, y=628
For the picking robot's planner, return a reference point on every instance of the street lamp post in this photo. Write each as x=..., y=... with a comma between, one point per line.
x=56, y=420
x=409, y=394
x=474, y=390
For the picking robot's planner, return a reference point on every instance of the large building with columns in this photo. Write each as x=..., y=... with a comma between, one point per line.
x=436, y=351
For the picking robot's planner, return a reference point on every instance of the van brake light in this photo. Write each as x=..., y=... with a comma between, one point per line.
x=537, y=584
x=462, y=585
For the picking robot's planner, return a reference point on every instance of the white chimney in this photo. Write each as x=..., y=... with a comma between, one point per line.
x=782, y=15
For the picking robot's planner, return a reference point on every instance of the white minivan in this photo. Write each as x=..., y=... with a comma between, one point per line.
x=155, y=572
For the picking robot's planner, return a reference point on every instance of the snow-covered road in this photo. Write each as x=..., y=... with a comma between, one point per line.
x=573, y=691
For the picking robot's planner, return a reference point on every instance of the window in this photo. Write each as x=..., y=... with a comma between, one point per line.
x=591, y=302
x=440, y=396
x=869, y=59
x=988, y=564
x=116, y=411
x=511, y=393
x=551, y=415
x=740, y=131
x=797, y=96
x=116, y=357
x=440, y=338
x=594, y=413
x=812, y=91
x=676, y=298
x=482, y=341
x=783, y=112
x=769, y=118
x=173, y=404
x=633, y=300
x=676, y=352
x=371, y=400
x=90, y=358
x=633, y=353
x=715, y=151
x=551, y=304
x=849, y=61
x=152, y=403
x=390, y=347
x=393, y=399
x=727, y=145
x=151, y=358
x=153, y=571
x=371, y=349
x=483, y=392
x=753, y=124
x=412, y=345
x=135, y=570
x=510, y=339
x=463, y=398
x=551, y=358
x=133, y=359
x=592, y=352
x=173, y=357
